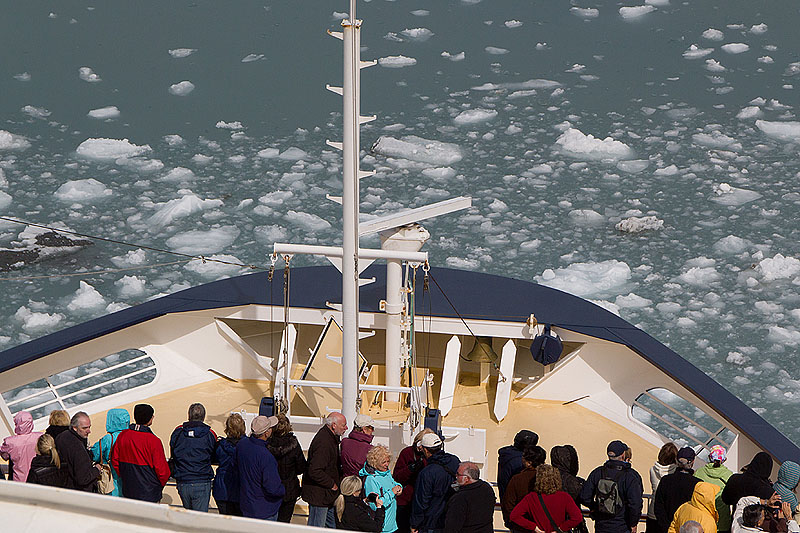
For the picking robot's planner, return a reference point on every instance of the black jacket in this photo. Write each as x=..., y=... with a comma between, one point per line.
x=324, y=469
x=753, y=482
x=471, y=509
x=76, y=461
x=44, y=472
x=358, y=516
x=191, y=448
x=565, y=459
x=629, y=483
x=432, y=490
x=673, y=491
x=55, y=431
x=509, y=463
x=291, y=463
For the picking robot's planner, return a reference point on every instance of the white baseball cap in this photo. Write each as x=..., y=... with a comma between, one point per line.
x=363, y=421
x=431, y=440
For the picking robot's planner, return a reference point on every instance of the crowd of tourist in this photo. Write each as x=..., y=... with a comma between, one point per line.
x=348, y=483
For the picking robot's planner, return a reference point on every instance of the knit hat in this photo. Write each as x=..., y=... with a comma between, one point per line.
x=686, y=454
x=261, y=424
x=143, y=414
x=363, y=421
x=717, y=453
x=616, y=448
x=431, y=440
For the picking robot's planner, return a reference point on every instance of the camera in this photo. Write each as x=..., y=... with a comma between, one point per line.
x=372, y=497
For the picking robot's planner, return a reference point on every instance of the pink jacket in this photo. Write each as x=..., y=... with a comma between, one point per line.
x=21, y=448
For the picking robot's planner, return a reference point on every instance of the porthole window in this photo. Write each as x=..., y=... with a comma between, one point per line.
x=679, y=421
x=72, y=388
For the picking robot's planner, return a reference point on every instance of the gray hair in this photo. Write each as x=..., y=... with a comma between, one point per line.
x=197, y=413
x=75, y=421
x=471, y=470
x=691, y=526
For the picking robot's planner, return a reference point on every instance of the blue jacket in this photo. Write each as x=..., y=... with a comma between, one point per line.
x=226, y=482
x=509, y=463
x=117, y=420
x=431, y=491
x=381, y=483
x=260, y=488
x=629, y=483
x=192, y=449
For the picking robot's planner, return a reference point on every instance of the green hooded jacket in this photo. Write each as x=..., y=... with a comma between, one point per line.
x=719, y=477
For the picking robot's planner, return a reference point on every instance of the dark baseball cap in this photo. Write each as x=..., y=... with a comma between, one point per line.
x=616, y=448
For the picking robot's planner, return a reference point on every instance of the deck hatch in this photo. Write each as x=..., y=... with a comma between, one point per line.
x=71, y=388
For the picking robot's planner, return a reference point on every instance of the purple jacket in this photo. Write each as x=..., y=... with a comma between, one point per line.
x=354, y=452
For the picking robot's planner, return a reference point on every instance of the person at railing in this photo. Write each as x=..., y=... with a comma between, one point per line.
x=717, y=473
x=356, y=445
x=776, y=515
x=433, y=486
x=409, y=463
x=46, y=466
x=618, y=514
x=675, y=489
x=320, y=485
x=20, y=448
x=665, y=464
x=138, y=457
x=73, y=451
x=117, y=421
x=547, y=508
x=471, y=508
x=59, y=421
x=291, y=463
x=226, y=480
x=509, y=458
x=788, y=478
x=351, y=511
x=700, y=508
x=260, y=489
x=191, y=447
x=378, y=479
x=753, y=481
x=565, y=459
x=523, y=482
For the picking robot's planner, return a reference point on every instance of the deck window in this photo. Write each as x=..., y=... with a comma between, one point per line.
x=680, y=421
x=72, y=388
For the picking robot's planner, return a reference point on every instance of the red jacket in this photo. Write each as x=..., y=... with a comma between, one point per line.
x=138, y=457
x=529, y=514
x=354, y=452
x=405, y=472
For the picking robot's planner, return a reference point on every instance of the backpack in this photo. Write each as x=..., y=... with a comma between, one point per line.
x=546, y=348
x=607, y=499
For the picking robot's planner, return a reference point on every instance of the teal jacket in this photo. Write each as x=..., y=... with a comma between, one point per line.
x=381, y=483
x=116, y=421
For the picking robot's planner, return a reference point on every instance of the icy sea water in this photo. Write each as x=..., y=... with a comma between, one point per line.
x=562, y=120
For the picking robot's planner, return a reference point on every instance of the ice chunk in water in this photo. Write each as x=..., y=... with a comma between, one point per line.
x=588, y=279
x=136, y=257
x=496, y=51
x=586, y=147
x=585, y=12
x=307, y=221
x=778, y=267
x=397, y=61
x=87, y=74
x=473, y=116
x=418, y=34
x=110, y=149
x=788, y=336
x=700, y=276
x=635, y=12
x=735, y=48
x=5, y=200
x=181, y=88
x=104, y=112
x=587, y=217
x=82, y=191
x=749, y=112
x=270, y=234
x=695, y=52
x=435, y=153
x=85, y=298
x=268, y=153
x=249, y=58
x=639, y=224
x=204, y=242
x=783, y=131
x=632, y=301
x=9, y=141
x=35, y=112
x=179, y=174
x=178, y=53
x=33, y=322
x=512, y=24
x=728, y=195
x=713, y=34
x=170, y=211
x=758, y=29
x=731, y=245
x=453, y=57
x=130, y=286
x=292, y=154
x=213, y=269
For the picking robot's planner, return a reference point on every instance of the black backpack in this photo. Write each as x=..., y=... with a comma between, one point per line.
x=607, y=498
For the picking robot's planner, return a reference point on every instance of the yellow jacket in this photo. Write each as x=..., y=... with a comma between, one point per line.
x=701, y=508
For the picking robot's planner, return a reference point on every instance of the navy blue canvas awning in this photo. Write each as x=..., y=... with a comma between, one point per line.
x=472, y=295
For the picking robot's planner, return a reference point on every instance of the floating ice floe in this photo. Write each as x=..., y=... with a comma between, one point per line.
x=474, y=116
x=270, y=234
x=585, y=12
x=397, y=61
x=700, y=276
x=104, y=112
x=268, y=153
x=85, y=298
x=34, y=322
x=575, y=144
x=632, y=301
x=782, y=131
x=495, y=50
x=725, y=194
x=512, y=24
x=417, y=34
x=749, y=112
x=735, y=48
x=635, y=12
x=712, y=65
x=130, y=286
x=639, y=224
x=731, y=245
x=229, y=125
x=439, y=173
x=5, y=200
x=778, y=267
x=35, y=112
x=214, y=269
x=633, y=166
x=307, y=221
x=420, y=12
x=249, y=58
x=588, y=279
x=181, y=88
x=293, y=154
x=670, y=170
x=657, y=2
x=793, y=69
x=695, y=52
x=586, y=217
x=758, y=29
x=514, y=86
x=87, y=74
x=453, y=57
x=713, y=34
x=10, y=141
x=173, y=140
x=210, y=241
x=178, y=53
x=182, y=207
x=787, y=336
x=179, y=174
x=133, y=258
x=413, y=148
x=82, y=191
x=110, y=149
x=716, y=139
x=22, y=76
